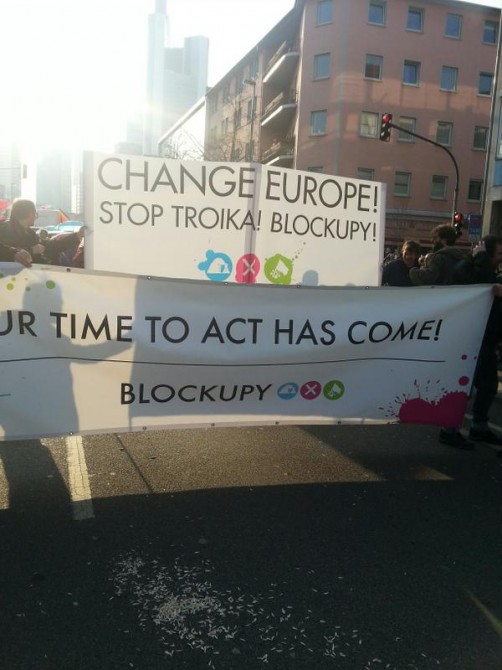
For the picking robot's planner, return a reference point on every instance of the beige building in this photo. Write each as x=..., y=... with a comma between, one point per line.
x=310, y=95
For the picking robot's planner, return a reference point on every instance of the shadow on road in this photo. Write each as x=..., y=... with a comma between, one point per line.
x=348, y=575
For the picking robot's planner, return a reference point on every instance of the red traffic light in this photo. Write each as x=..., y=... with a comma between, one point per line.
x=458, y=218
x=385, y=127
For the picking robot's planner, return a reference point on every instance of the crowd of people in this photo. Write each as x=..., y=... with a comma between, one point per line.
x=447, y=264
x=21, y=243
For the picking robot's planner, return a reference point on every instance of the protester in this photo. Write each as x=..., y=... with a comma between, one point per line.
x=78, y=259
x=18, y=232
x=13, y=254
x=397, y=272
x=439, y=267
x=486, y=259
x=43, y=235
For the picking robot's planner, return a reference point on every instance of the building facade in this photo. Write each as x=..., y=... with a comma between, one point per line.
x=311, y=95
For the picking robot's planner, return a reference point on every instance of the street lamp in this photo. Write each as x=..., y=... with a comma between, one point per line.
x=251, y=82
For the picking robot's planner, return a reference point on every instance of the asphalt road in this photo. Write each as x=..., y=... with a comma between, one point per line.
x=352, y=548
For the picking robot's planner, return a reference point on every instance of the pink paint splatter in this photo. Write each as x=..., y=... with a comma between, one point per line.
x=448, y=411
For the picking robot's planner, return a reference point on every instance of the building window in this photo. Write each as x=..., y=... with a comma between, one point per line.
x=239, y=82
x=373, y=67
x=249, y=151
x=237, y=117
x=411, y=73
x=253, y=68
x=453, y=26
x=377, y=13
x=410, y=123
x=250, y=109
x=444, y=133
x=485, y=83
x=226, y=93
x=498, y=149
x=402, y=182
x=490, y=32
x=449, y=76
x=315, y=168
x=480, y=140
x=439, y=187
x=415, y=20
x=324, y=12
x=475, y=190
x=368, y=124
x=366, y=173
x=322, y=66
x=318, y=122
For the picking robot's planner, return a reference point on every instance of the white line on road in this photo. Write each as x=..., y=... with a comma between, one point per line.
x=4, y=488
x=78, y=479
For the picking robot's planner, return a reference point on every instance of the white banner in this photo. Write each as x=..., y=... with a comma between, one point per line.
x=86, y=352
x=231, y=222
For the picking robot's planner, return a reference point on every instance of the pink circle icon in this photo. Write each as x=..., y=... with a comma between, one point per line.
x=310, y=390
x=247, y=269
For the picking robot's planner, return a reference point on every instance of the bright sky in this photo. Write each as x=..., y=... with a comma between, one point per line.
x=74, y=71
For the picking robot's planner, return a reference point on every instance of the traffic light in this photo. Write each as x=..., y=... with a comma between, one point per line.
x=385, y=127
x=458, y=222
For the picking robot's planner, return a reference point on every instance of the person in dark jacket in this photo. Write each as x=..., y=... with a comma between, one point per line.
x=397, y=272
x=485, y=261
x=18, y=232
x=12, y=254
x=439, y=267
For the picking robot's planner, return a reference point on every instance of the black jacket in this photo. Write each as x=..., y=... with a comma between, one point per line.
x=15, y=235
x=439, y=267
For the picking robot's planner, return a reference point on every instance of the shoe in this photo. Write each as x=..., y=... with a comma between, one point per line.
x=485, y=436
x=456, y=440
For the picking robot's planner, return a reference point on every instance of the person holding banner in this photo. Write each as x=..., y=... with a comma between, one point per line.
x=18, y=232
x=438, y=267
x=486, y=258
x=397, y=271
x=16, y=255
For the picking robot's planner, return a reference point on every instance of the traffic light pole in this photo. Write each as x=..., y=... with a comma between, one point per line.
x=436, y=144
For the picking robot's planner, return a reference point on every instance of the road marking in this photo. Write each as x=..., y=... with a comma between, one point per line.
x=4, y=488
x=78, y=479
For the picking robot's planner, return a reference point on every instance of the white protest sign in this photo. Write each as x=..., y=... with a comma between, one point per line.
x=87, y=352
x=231, y=222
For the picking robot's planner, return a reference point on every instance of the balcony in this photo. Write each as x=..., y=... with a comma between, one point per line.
x=283, y=64
x=280, y=153
x=281, y=110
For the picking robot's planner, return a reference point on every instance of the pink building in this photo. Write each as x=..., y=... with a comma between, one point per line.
x=311, y=94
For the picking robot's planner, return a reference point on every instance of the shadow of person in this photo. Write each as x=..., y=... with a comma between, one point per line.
x=37, y=394
x=36, y=489
x=310, y=278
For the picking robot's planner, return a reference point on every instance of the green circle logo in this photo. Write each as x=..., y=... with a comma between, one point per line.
x=333, y=390
x=278, y=269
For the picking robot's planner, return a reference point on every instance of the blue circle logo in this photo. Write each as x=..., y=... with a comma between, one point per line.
x=287, y=391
